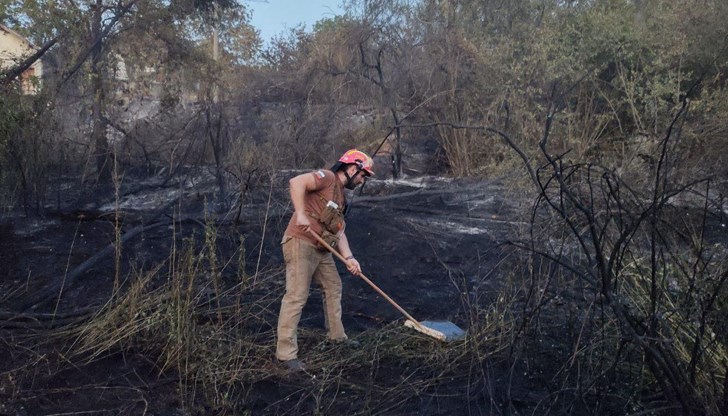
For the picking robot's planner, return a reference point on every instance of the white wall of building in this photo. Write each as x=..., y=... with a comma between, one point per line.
x=14, y=48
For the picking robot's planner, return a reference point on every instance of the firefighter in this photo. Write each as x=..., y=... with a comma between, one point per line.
x=319, y=203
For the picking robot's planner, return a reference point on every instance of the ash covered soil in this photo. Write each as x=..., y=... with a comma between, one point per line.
x=435, y=245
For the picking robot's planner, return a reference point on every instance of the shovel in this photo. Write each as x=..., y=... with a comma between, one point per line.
x=442, y=330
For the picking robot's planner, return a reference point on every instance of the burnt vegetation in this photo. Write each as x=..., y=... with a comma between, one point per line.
x=550, y=176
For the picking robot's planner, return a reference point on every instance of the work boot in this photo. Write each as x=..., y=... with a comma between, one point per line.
x=294, y=365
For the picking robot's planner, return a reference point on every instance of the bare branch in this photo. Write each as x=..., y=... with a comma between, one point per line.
x=503, y=135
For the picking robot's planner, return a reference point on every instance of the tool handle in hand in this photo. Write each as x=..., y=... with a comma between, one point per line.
x=366, y=279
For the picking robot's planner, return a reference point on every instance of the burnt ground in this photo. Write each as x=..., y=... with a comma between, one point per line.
x=432, y=244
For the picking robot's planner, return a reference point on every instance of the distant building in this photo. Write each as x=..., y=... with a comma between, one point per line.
x=14, y=48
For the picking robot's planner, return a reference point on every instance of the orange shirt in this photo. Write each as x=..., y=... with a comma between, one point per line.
x=315, y=201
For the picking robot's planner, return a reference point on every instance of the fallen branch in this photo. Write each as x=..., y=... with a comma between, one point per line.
x=14, y=320
x=55, y=288
x=13, y=73
x=397, y=196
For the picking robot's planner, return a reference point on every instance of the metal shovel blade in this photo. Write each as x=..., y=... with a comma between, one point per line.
x=442, y=330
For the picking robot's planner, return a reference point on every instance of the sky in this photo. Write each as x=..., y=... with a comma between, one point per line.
x=272, y=17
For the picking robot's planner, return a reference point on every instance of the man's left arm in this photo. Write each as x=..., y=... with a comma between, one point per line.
x=351, y=263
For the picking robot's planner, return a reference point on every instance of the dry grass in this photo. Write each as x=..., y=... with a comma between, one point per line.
x=219, y=342
x=681, y=327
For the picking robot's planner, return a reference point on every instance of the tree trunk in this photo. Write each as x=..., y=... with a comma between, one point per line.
x=397, y=151
x=214, y=121
x=101, y=144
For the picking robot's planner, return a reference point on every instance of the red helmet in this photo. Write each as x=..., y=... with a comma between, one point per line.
x=359, y=158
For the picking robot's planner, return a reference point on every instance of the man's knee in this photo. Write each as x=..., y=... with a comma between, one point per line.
x=295, y=299
x=333, y=290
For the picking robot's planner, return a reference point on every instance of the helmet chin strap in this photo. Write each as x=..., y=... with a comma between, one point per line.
x=350, y=179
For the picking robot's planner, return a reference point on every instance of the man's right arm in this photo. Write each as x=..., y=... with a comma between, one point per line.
x=299, y=186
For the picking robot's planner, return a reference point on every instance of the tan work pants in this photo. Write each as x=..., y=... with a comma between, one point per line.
x=304, y=263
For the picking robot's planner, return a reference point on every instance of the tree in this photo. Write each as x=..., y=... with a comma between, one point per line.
x=94, y=39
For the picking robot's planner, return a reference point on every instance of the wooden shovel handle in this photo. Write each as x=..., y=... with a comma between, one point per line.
x=366, y=279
